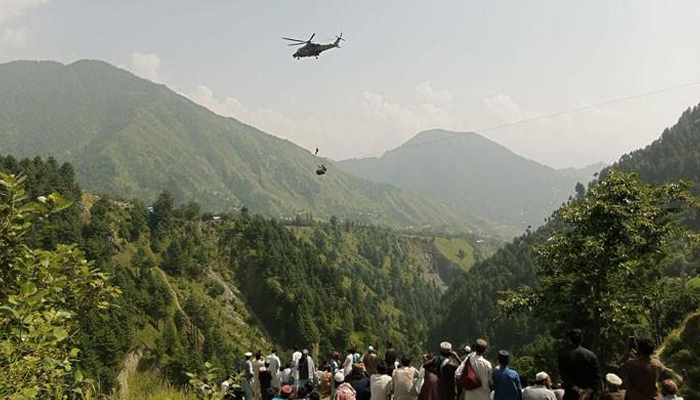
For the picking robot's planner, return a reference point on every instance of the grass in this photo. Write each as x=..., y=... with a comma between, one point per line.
x=149, y=385
x=450, y=248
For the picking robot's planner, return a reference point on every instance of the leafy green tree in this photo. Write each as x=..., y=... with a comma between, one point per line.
x=42, y=293
x=607, y=261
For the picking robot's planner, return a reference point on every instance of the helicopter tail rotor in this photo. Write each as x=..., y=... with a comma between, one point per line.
x=338, y=39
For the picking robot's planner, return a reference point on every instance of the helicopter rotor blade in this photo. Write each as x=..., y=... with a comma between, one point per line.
x=294, y=40
x=296, y=44
x=312, y=36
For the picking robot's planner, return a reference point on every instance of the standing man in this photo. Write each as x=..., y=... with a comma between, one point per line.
x=506, y=382
x=578, y=368
x=642, y=373
x=370, y=361
x=483, y=370
x=306, y=369
x=248, y=376
x=296, y=356
x=404, y=381
x=447, y=362
x=349, y=360
x=274, y=368
x=390, y=356
x=258, y=363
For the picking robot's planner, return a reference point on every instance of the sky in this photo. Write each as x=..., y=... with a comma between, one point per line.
x=406, y=66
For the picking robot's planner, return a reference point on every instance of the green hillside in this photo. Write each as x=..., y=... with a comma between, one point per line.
x=130, y=137
x=471, y=302
x=197, y=288
x=472, y=174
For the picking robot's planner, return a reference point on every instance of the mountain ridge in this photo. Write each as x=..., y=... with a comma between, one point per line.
x=131, y=137
x=468, y=171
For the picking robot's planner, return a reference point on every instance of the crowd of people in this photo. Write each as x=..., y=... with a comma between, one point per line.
x=449, y=375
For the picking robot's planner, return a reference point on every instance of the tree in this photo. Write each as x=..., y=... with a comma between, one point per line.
x=42, y=293
x=162, y=216
x=607, y=260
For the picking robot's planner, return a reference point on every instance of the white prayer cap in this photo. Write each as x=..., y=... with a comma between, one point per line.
x=249, y=354
x=541, y=376
x=370, y=348
x=446, y=346
x=613, y=379
x=339, y=376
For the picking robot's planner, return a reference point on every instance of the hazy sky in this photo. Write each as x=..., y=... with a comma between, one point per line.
x=406, y=66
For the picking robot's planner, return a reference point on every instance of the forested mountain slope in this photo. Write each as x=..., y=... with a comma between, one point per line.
x=471, y=173
x=201, y=287
x=471, y=301
x=131, y=137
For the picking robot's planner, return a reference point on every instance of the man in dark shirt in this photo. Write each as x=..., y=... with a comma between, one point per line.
x=578, y=368
x=390, y=356
x=360, y=382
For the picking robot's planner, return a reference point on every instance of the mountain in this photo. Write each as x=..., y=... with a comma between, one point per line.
x=471, y=301
x=583, y=174
x=133, y=138
x=471, y=173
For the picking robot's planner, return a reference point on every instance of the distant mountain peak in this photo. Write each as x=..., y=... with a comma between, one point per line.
x=473, y=173
x=438, y=135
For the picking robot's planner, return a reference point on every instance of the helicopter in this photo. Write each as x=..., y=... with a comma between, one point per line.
x=310, y=49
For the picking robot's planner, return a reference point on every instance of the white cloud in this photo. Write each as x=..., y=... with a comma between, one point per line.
x=12, y=34
x=13, y=37
x=305, y=131
x=406, y=121
x=145, y=65
x=442, y=97
x=10, y=9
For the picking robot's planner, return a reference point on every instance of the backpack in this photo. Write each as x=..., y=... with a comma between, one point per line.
x=469, y=379
x=345, y=392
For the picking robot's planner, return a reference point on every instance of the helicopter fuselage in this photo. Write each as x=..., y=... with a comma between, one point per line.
x=312, y=50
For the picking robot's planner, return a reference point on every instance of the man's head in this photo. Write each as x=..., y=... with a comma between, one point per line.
x=445, y=348
x=542, y=378
x=248, y=355
x=357, y=369
x=503, y=358
x=669, y=387
x=274, y=351
x=406, y=361
x=480, y=346
x=646, y=347
x=267, y=364
x=575, y=336
x=370, y=349
x=382, y=368
x=613, y=382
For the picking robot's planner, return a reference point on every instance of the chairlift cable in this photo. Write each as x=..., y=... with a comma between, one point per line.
x=545, y=116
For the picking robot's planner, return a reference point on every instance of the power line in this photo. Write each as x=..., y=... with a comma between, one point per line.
x=545, y=116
